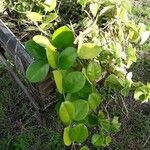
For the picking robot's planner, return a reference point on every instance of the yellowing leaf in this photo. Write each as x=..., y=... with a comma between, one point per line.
x=66, y=137
x=52, y=58
x=106, y=9
x=33, y=16
x=145, y=35
x=88, y=51
x=44, y=42
x=51, y=17
x=94, y=8
x=49, y=5
x=58, y=80
x=66, y=112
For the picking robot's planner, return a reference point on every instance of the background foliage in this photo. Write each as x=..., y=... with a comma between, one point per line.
x=128, y=113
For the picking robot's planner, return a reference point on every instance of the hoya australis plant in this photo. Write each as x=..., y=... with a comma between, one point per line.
x=86, y=61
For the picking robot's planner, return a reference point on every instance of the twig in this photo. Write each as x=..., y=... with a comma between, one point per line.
x=40, y=29
x=146, y=141
x=20, y=83
x=126, y=109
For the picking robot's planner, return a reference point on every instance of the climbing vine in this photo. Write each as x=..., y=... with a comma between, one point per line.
x=85, y=58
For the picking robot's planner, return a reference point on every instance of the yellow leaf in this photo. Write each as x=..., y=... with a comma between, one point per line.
x=58, y=80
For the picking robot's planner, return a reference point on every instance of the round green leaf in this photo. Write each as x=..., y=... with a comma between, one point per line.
x=73, y=82
x=58, y=80
x=33, y=16
x=63, y=37
x=94, y=100
x=67, y=58
x=66, y=137
x=94, y=71
x=98, y=139
x=35, y=50
x=79, y=133
x=81, y=109
x=37, y=71
x=66, y=112
x=89, y=51
x=84, y=148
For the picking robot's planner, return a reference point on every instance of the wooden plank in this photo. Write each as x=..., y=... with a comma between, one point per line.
x=41, y=92
x=14, y=48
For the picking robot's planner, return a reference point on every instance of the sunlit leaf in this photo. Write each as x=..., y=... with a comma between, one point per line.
x=52, y=58
x=106, y=9
x=66, y=112
x=94, y=71
x=44, y=42
x=145, y=35
x=94, y=100
x=58, y=80
x=66, y=137
x=142, y=93
x=45, y=26
x=94, y=8
x=63, y=37
x=49, y=5
x=80, y=113
x=51, y=17
x=89, y=51
x=33, y=16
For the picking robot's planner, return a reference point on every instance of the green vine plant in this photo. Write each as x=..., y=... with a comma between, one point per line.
x=83, y=62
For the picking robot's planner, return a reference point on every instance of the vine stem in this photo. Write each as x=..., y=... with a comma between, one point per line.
x=73, y=147
x=40, y=29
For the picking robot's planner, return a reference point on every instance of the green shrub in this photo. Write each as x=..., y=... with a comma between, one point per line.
x=87, y=59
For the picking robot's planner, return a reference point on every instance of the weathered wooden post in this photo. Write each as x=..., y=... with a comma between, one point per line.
x=12, y=50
